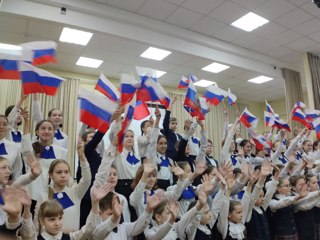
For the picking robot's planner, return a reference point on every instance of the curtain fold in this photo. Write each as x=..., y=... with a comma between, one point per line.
x=214, y=122
x=314, y=62
x=293, y=92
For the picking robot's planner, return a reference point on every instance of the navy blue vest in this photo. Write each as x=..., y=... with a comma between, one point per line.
x=258, y=227
x=64, y=237
x=305, y=224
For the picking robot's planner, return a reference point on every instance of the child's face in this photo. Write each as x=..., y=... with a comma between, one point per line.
x=4, y=172
x=145, y=127
x=206, y=215
x=173, y=125
x=90, y=136
x=284, y=187
x=164, y=216
x=307, y=147
x=232, y=147
x=106, y=214
x=56, y=117
x=52, y=225
x=247, y=148
x=236, y=215
x=162, y=145
x=187, y=171
x=313, y=184
x=3, y=126
x=209, y=149
x=151, y=180
x=45, y=131
x=60, y=175
x=260, y=200
x=299, y=184
x=128, y=139
x=113, y=177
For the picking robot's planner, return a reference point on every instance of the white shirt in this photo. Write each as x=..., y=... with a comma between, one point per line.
x=125, y=170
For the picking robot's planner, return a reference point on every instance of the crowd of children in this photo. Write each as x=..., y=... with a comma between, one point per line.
x=172, y=188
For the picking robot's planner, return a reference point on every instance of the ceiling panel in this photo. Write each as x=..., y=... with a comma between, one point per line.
x=132, y=5
x=228, y=12
x=208, y=26
x=157, y=9
x=269, y=11
x=294, y=18
x=179, y=17
x=202, y=6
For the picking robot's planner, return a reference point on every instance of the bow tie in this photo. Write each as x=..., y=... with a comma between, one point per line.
x=282, y=158
x=63, y=199
x=16, y=136
x=131, y=158
x=3, y=150
x=164, y=161
x=240, y=195
x=233, y=160
x=58, y=135
x=47, y=152
x=298, y=156
x=145, y=196
x=194, y=140
x=188, y=193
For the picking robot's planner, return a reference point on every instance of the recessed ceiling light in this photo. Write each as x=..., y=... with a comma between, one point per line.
x=204, y=83
x=70, y=35
x=155, y=53
x=160, y=73
x=249, y=22
x=260, y=79
x=215, y=67
x=89, y=62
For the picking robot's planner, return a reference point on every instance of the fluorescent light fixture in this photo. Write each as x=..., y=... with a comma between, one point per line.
x=160, y=73
x=204, y=83
x=249, y=22
x=70, y=35
x=260, y=79
x=10, y=49
x=89, y=62
x=215, y=67
x=155, y=53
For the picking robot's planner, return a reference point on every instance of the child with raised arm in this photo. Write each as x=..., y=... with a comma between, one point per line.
x=111, y=209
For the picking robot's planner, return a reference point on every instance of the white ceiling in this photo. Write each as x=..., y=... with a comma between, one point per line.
x=294, y=28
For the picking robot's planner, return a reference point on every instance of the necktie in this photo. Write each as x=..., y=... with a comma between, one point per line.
x=3, y=150
x=194, y=140
x=58, y=135
x=145, y=196
x=233, y=160
x=47, y=152
x=188, y=193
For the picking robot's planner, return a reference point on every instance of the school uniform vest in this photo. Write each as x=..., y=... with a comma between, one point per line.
x=283, y=221
x=316, y=213
x=64, y=237
x=305, y=224
x=200, y=235
x=258, y=227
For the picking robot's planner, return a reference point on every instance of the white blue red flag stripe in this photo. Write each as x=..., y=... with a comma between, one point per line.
x=96, y=111
x=215, y=95
x=43, y=51
x=35, y=80
x=248, y=119
x=107, y=88
x=231, y=98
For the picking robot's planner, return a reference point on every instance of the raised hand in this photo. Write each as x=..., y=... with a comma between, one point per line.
x=303, y=191
x=35, y=166
x=202, y=196
x=153, y=201
x=173, y=208
x=97, y=193
x=80, y=147
x=225, y=169
x=266, y=168
x=207, y=185
x=12, y=204
x=200, y=168
x=116, y=207
x=148, y=167
x=176, y=170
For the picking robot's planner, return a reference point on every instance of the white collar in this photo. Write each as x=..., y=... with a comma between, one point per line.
x=204, y=229
x=236, y=230
x=47, y=236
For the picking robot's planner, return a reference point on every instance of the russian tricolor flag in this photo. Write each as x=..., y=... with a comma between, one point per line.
x=231, y=98
x=184, y=82
x=248, y=119
x=281, y=124
x=128, y=87
x=35, y=80
x=269, y=119
x=141, y=110
x=151, y=90
x=203, y=105
x=43, y=51
x=215, y=95
x=312, y=114
x=192, y=101
x=299, y=116
x=297, y=105
x=146, y=73
x=261, y=142
x=107, y=88
x=9, y=64
x=269, y=108
x=96, y=111
x=128, y=115
x=316, y=124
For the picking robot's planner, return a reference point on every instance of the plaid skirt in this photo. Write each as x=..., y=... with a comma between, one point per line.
x=287, y=237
